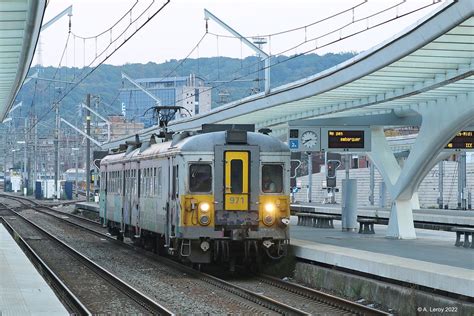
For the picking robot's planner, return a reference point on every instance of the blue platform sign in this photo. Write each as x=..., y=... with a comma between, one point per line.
x=294, y=144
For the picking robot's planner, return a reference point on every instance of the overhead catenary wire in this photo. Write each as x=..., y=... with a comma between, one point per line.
x=185, y=58
x=299, y=27
x=60, y=63
x=316, y=41
x=274, y=64
x=132, y=21
x=108, y=30
x=196, y=46
x=398, y=16
x=106, y=58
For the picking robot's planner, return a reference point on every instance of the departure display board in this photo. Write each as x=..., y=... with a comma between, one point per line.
x=463, y=140
x=353, y=139
x=338, y=139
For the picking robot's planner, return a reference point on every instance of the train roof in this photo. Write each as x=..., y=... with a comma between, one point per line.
x=200, y=143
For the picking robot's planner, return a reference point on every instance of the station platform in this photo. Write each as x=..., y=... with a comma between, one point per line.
x=88, y=206
x=421, y=217
x=22, y=289
x=430, y=261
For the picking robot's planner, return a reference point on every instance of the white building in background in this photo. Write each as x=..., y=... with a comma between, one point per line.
x=189, y=92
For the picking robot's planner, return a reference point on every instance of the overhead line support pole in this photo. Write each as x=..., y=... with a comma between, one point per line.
x=136, y=84
x=310, y=177
x=88, y=147
x=208, y=15
x=25, y=159
x=56, y=152
x=441, y=184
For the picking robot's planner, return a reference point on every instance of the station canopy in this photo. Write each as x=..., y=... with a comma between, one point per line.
x=20, y=25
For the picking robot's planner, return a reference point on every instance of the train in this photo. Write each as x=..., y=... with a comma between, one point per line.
x=219, y=195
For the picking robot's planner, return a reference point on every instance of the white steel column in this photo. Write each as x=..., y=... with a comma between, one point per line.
x=442, y=119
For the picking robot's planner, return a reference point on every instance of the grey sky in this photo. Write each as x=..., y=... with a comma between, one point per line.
x=181, y=24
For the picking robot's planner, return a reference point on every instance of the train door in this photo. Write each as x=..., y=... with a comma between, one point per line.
x=103, y=196
x=236, y=173
x=124, y=191
x=236, y=180
x=135, y=199
x=170, y=198
x=127, y=195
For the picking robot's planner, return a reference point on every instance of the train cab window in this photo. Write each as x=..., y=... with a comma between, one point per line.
x=272, y=178
x=200, y=178
x=236, y=176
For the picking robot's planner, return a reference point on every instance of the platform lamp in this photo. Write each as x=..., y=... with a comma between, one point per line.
x=25, y=176
x=77, y=163
x=13, y=160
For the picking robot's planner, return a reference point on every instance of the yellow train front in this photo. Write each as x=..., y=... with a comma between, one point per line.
x=219, y=196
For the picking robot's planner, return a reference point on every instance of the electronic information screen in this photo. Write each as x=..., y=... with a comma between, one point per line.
x=346, y=139
x=463, y=140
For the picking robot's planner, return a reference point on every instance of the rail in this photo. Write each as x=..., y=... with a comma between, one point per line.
x=135, y=295
x=69, y=300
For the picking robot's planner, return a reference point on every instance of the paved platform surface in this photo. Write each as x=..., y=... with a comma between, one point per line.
x=431, y=260
x=22, y=290
x=89, y=206
x=447, y=217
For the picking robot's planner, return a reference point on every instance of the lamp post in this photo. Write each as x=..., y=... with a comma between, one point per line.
x=77, y=159
x=25, y=176
x=13, y=161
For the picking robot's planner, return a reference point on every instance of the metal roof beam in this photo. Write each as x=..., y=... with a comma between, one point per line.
x=391, y=119
x=403, y=92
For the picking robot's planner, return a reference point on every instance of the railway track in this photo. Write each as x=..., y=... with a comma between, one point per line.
x=97, y=289
x=70, y=301
x=277, y=296
x=306, y=299
x=76, y=219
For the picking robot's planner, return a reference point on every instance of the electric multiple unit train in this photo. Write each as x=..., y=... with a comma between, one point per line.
x=217, y=196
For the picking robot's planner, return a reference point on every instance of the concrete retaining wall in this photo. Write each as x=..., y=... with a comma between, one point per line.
x=402, y=300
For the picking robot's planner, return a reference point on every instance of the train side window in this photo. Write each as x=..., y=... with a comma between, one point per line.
x=272, y=178
x=153, y=182
x=145, y=181
x=200, y=178
x=175, y=182
x=236, y=176
x=148, y=183
x=159, y=181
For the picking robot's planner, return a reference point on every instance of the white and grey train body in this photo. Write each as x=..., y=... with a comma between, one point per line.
x=209, y=197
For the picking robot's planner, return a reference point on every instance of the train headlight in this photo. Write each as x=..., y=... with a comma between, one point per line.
x=204, y=206
x=269, y=213
x=270, y=208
